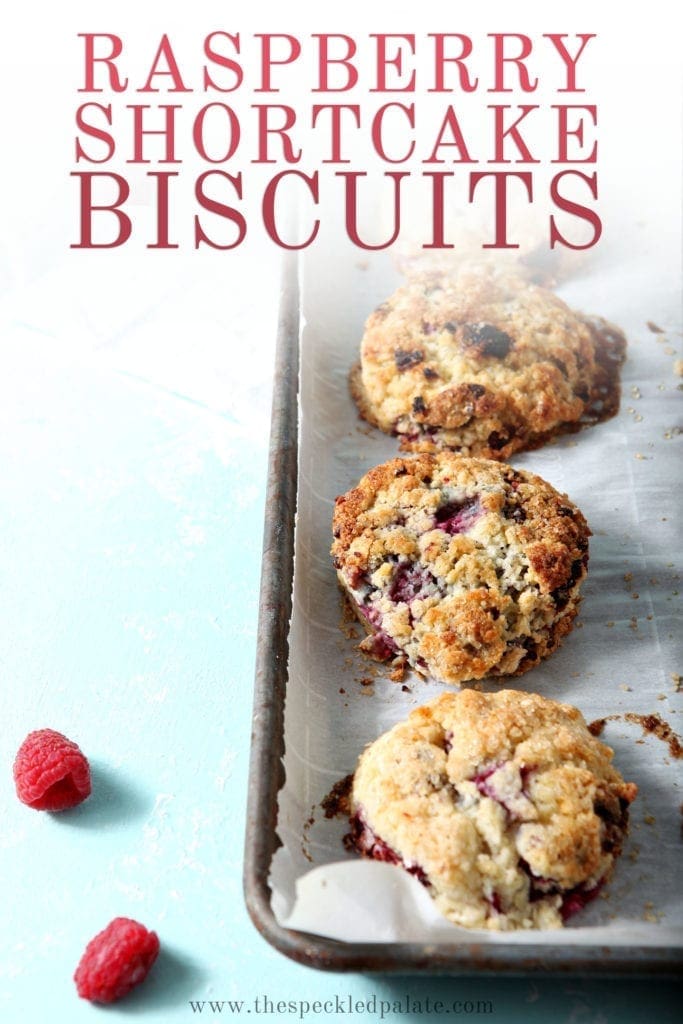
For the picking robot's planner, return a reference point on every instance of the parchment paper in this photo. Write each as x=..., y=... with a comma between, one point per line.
x=622, y=656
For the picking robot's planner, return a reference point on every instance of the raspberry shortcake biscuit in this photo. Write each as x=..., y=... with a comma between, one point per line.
x=462, y=567
x=503, y=805
x=484, y=362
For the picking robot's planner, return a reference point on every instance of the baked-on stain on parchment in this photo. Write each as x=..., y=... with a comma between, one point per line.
x=336, y=803
x=653, y=724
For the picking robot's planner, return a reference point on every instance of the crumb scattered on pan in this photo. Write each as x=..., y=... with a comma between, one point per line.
x=669, y=351
x=633, y=624
x=365, y=681
x=596, y=727
x=398, y=674
x=678, y=367
x=635, y=391
x=625, y=687
x=336, y=803
x=654, y=328
x=650, y=819
x=652, y=915
x=308, y=825
x=677, y=680
x=406, y=689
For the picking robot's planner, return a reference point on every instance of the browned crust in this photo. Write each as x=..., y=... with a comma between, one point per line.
x=559, y=811
x=359, y=396
x=560, y=374
x=473, y=631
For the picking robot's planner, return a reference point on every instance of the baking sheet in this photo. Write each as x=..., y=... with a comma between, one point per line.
x=623, y=656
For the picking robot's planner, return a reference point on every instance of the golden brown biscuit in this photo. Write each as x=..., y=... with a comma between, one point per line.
x=463, y=567
x=503, y=805
x=484, y=363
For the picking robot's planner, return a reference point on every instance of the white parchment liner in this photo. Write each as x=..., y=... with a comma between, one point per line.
x=621, y=657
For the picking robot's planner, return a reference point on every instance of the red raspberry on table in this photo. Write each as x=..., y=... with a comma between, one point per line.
x=51, y=772
x=116, y=960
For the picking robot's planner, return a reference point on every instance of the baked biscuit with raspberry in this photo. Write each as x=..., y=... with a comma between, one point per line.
x=484, y=362
x=461, y=567
x=503, y=805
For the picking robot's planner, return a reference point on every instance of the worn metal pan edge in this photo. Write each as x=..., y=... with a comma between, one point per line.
x=266, y=772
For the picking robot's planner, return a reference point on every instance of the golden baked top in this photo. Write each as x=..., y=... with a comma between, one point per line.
x=503, y=804
x=481, y=361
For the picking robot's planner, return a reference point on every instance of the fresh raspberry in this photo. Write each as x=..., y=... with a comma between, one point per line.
x=51, y=772
x=116, y=960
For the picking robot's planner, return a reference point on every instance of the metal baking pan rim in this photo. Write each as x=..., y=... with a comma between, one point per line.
x=266, y=771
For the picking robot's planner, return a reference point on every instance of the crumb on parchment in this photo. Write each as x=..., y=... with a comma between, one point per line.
x=652, y=915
